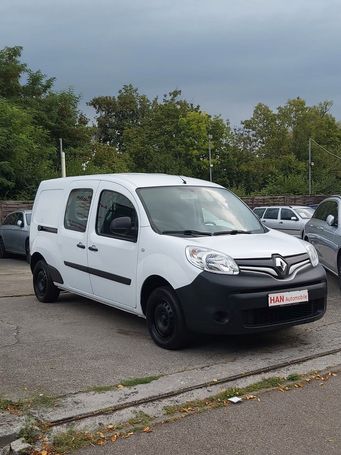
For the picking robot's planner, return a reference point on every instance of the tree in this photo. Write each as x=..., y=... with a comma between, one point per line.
x=116, y=114
x=25, y=153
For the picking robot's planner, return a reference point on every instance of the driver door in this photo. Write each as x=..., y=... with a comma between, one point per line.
x=112, y=254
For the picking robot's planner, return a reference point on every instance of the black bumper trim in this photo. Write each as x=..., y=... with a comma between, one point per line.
x=222, y=304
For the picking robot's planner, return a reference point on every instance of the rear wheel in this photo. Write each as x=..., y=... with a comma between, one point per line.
x=3, y=252
x=165, y=321
x=44, y=288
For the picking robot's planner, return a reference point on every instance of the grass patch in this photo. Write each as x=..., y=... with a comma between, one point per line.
x=38, y=401
x=136, y=381
x=5, y=404
x=294, y=377
x=30, y=432
x=71, y=440
x=140, y=419
x=101, y=388
x=221, y=398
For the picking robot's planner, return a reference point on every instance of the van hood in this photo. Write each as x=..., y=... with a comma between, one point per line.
x=248, y=246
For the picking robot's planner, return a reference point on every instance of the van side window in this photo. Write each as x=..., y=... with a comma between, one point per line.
x=77, y=209
x=111, y=206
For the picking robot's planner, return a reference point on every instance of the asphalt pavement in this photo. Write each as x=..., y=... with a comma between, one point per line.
x=303, y=421
x=75, y=344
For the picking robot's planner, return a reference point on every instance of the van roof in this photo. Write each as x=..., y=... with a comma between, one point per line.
x=137, y=180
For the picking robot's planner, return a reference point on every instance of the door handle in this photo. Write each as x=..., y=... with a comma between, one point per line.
x=93, y=248
x=81, y=245
x=281, y=222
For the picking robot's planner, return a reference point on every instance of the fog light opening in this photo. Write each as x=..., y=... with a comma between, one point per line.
x=221, y=317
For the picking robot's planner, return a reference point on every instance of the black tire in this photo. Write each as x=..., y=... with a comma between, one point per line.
x=43, y=286
x=3, y=253
x=165, y=321
x=339, y=270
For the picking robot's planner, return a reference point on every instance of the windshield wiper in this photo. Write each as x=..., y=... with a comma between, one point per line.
x=188, y=232
x=233, y=232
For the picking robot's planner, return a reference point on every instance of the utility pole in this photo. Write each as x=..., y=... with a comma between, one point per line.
x=62, y=158
x=309, y=166
x=209, y=155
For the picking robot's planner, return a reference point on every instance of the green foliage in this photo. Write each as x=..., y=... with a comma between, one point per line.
x=267, y=155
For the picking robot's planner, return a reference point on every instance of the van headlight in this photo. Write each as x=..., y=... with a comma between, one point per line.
x=313, y=256
x=211, y=261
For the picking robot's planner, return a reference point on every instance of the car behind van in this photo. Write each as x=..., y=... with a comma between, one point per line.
x=290, y=219
x=186, y=254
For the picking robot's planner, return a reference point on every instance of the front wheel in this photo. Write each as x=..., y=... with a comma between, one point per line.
x=44, y=288
x=165, y=321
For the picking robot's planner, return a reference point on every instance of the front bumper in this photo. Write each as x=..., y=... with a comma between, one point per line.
x=222, y=304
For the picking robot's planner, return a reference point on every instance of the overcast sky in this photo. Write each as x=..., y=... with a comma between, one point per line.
x=224, y=55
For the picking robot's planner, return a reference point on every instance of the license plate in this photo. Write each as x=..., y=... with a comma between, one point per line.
x=288, y=298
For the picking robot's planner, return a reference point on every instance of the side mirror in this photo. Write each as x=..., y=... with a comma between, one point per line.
x=20, y=223
x=330, y=220
x=294, y=218
x=122, y=223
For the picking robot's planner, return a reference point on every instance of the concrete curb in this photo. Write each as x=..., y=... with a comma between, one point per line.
x=90, y=409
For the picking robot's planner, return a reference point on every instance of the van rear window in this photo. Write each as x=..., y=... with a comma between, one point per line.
x=77, y=209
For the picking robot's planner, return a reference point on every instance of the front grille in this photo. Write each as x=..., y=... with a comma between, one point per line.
x=278, y=315
x=267, y=265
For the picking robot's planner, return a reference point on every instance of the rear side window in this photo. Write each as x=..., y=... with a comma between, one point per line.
x=77, y=209
x=113, y=205
x=259, y=211
x=271, y=214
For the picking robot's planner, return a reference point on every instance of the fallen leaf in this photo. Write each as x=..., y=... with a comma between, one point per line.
x=250, y=397
x=120, y=386
x=100, y=442
x=114, y=438
x=147, y=430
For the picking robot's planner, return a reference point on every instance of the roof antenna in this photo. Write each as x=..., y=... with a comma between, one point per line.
x=183, y=180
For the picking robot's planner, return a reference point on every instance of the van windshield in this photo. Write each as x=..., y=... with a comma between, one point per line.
x=197, y=211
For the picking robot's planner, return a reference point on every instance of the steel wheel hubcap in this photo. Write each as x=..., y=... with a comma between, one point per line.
x=164, y=319
x=41, y=281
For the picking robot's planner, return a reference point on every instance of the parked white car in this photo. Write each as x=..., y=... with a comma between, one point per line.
x=185, y=254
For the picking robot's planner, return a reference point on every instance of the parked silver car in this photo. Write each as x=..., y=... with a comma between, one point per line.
x=290, y=219
x=14, y=233
x=324, y=232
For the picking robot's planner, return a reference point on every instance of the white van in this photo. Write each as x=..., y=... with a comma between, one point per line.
x=186, y=254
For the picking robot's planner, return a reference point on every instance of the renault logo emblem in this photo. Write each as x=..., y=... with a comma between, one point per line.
x=281, y=266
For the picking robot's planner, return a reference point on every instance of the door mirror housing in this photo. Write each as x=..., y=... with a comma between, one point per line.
x=20, y=223
x=330, y=220
x=294, y=218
